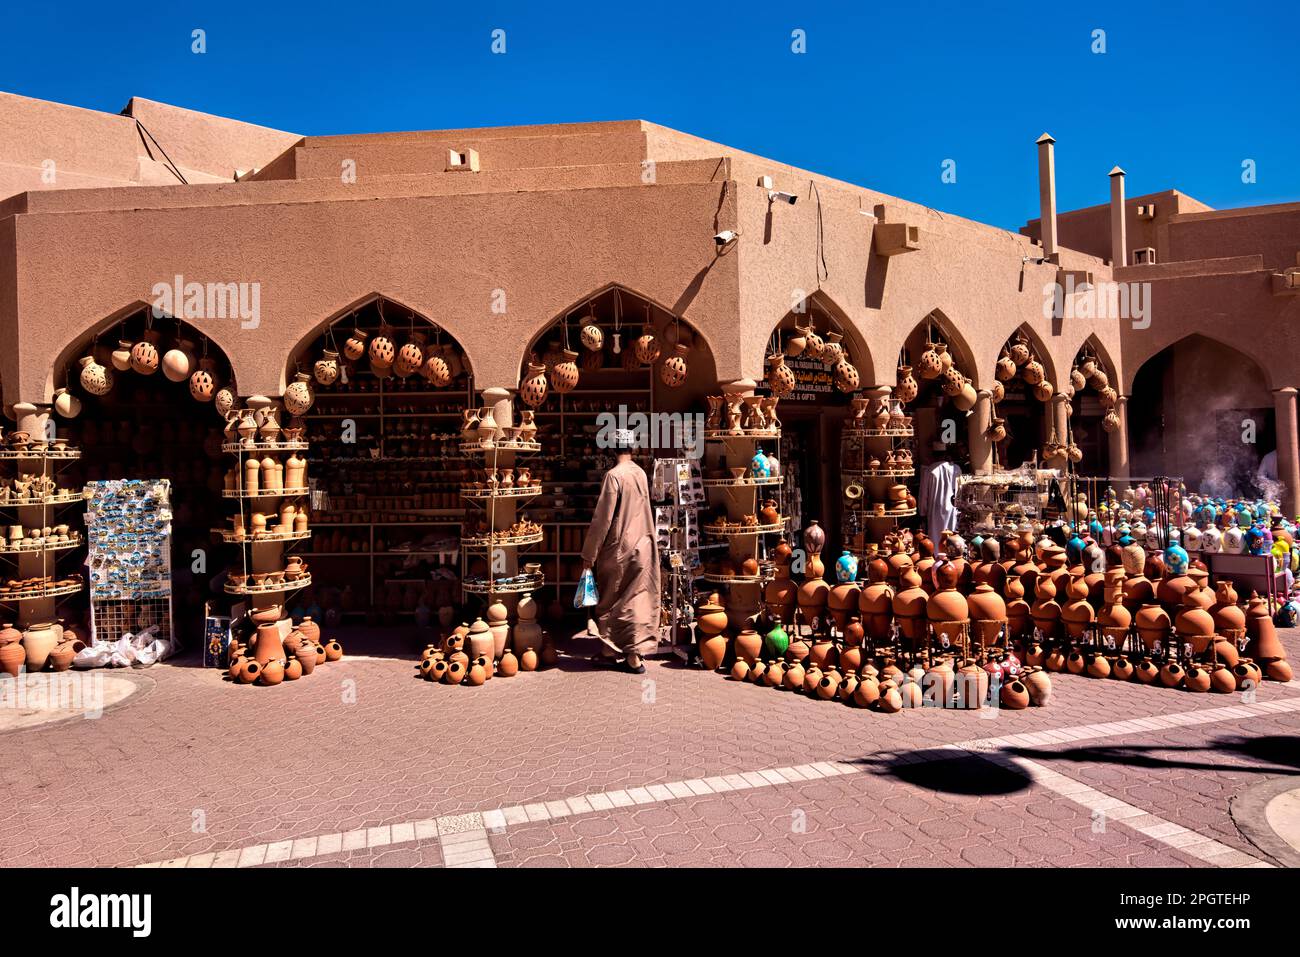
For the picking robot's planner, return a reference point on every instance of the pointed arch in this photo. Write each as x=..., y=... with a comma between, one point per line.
x=617, y=307
x=937, y=323
x=96, y=338
x=1098, y=350
x=1040, y=351
x=1133, y=364
x=374, y=306
x=825, y=314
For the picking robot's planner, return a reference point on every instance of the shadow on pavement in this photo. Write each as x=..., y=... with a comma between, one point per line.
x=1275, y=750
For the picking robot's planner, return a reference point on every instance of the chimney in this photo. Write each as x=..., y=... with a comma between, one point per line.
x=1118, y=224
x=1047, y=195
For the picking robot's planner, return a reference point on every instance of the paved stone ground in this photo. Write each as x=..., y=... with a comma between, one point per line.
x=363, y=765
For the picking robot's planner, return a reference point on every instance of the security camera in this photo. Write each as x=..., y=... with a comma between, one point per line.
x=774, y=195
x=725, y=238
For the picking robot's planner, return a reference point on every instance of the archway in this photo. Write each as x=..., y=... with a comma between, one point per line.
x=390, y=389
x=1093, y=399
x=829, y=365
x=611, y=357
x=942, y=369
x=1203, y=411
x=1025, y=391
x=145, y=392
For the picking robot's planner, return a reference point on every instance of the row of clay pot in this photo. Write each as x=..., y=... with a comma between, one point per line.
x=890, y=690
x=43, y=645
x=473, y=654
x=1192, y=676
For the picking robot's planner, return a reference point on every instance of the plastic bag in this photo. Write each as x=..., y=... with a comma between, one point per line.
x=586, y=596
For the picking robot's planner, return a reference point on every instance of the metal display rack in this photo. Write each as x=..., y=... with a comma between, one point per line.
x=34, y=541
x=128, y=528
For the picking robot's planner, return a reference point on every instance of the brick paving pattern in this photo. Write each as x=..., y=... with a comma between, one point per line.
x=192, y=765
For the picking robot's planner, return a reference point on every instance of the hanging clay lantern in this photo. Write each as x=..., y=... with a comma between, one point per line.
x=224, y=400
x=203, y=383
x=1108, y=398
x=1032, y=372
x=780, y=377
x=298, y=397
x=846, y=376
x=178, y=362
x=965, y=399
x=1099, y=380
x=1020, y=353
x=436, y=371
x=326, y=369
x=593, y=339
x=906, y=389
x=997, y=432
x=66, y=404
x=564, y=377
x=629, y=361
x=1006, y=369
x=409, y=359
x=672, y=372
x=1110, y=423
x=122, y=356
x=144, y=354
x=929, y=366
x=795, y=345
x=1077, y=380
x=647, y=346
x=593, y=361
x=997, y=392
x=1044, y=391
x=355, y=346
x=382, y=350
x=832, y=351
x=813, y=344
x=95, y=379
x=952, y=382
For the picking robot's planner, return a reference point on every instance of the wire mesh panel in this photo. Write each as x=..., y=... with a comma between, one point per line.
x=128, y=528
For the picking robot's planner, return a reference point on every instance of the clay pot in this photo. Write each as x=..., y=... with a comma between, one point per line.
x=1172, y=675
x=1222, y=680
x=333, y=650
x=533, y=388
x=779, y=597
x=1278, y=670
x=890, y=701
x=293, y=670
x=774, y=674
x=828, y=686
x=298, y=397
x=1153, y=625
x=1098, y=666
x=749, y=645
x=12, y=658
x=1122, y=669
x=1264, y=644
x=907, y=387
x=306, y=655
x=1075, y=662
x=38, y=641
x=273, y=671
x=1039, y=686
x=144, y=354
x=249, y=671
x=711, y=617
x=740, y=670
x=1014, y=695
x=1197, y=679
x=712, y=650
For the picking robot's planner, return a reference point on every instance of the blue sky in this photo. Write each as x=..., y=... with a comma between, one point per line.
x=883, y=96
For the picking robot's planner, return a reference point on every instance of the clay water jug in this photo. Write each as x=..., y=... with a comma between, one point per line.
x=938, y=684
x=780, y=596
x=1098, y=665
x=876, y=601
x=1076, y=613
x=1264, y=644
x=713, y=649
x=774, y=675
x=972, y=684
x=1222, y=681
x=841, y=601
x=1229, y=617
x=1195, y=625
x=1172, y=674
x=740, y=670
x=1122, y=668
x=1153, y=625
x=12, y=658
x=1045, y=611
x=866, y=691
x=1039, y=685
x=749, y=645
x=1196, y=679
x=794, y=676
x=755, y=673
x=1075, y=662
x=38, y=641
x=988, y=613
x=1014, y=695
x=813, y=595
x=711, y=617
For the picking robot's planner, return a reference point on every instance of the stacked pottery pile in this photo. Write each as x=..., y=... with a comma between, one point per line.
x=39, y=647
x=473, y=654
x=272, y=658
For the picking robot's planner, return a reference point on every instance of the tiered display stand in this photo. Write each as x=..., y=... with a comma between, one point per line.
x=37, y=531
x=734, y=433
x=497, y=450
x=128, y=526
x=876, y=456
x=270, y=515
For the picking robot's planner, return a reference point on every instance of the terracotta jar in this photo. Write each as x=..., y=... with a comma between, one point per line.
x=713, y=648
x=333, y=650
x=1195, y=625
x=1055, y=660
x=1222, y=680
x=1114, y=618
x=1264, y=644
x=875, y=601
x=749, y=645
x=813, y=595
x=564, y=374
x=1046, y=612
x=909, y=606
x=1076, y=613
x=1172, y=675
x=906, y=389
x=1014, y=695
x=1196, y=679
x=1038, y=684
x=533, y=388
x=1229, y=617
x=38, y=642
x=988, y=614
x=1153, y=625
x=272, y=671
x=774, y=674
x=1146, y=671
x=1097, y=665
x=842, y=601
x=1018, y=610
x=711, y=617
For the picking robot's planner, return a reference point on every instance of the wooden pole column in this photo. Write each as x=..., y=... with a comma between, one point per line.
x=977, y=426
x=1119, y=463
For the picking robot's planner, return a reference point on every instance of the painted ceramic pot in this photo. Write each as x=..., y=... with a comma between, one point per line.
x=814, y=537
x=846, y=567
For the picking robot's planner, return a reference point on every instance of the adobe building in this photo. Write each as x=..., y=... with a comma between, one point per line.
x=500, y=238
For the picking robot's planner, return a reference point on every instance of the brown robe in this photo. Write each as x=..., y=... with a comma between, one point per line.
x=620, y=545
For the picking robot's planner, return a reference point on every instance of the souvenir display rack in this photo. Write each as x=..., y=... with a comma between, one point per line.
x=986, y=503
x=744, y=490
x=129, y=530
x=678, y=492
x=267, y=487
x=37, y=529
x=877, y=469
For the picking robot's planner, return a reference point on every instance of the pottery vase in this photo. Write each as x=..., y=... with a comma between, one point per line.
x=38, y=641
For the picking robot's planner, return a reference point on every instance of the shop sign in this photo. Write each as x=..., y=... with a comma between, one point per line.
x=814, y=383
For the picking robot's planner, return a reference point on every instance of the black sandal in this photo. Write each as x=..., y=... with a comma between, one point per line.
x=606, y=661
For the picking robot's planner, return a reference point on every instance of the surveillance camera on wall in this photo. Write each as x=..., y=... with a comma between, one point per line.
x=725, y=238
x=774, y=196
